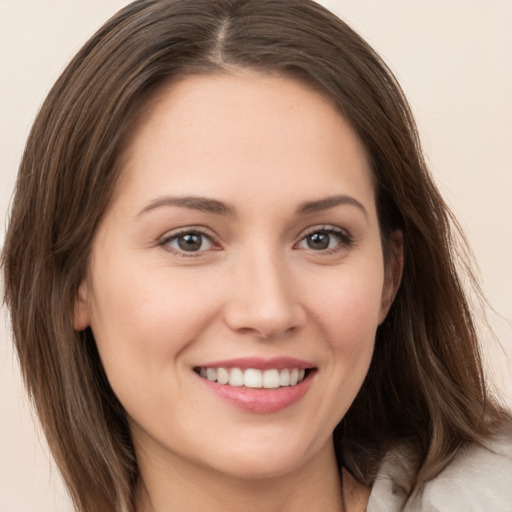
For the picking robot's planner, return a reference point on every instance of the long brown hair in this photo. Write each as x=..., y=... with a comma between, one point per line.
x=425, y=384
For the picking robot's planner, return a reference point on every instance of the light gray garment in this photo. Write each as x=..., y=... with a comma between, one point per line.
x=478, y=479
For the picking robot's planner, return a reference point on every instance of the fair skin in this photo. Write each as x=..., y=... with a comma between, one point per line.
x=243, y=234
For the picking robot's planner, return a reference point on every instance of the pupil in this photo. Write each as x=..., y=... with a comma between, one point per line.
x=318, y=241
x=190, y=242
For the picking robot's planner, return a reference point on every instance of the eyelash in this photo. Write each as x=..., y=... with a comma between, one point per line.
x=200, y=232
x=345, y=240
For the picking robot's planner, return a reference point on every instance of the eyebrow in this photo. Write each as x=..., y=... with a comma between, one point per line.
x=207, y=205
x=330, y=202
x=202, y=204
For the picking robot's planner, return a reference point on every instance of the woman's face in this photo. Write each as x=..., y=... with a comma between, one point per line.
x=241, y=249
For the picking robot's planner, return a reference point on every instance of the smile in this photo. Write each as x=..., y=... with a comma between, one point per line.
x=272, y=378
x=258, y=385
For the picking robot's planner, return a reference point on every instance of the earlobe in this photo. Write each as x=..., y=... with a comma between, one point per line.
x=394, y=270
x=81, y=318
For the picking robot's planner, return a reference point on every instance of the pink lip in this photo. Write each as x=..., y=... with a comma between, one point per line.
x=259, y=400
x=258, y=363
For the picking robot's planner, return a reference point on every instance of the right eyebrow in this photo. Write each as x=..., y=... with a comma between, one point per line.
x=203, y=204
x=331, y=202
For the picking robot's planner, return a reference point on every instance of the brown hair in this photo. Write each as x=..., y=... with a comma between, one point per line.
x=425, y=384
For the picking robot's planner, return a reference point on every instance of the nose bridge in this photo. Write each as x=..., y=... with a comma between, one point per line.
x=264, y=300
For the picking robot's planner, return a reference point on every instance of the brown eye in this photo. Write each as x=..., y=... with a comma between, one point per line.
x=325, y=239
x=189, y=242
x=318, y=241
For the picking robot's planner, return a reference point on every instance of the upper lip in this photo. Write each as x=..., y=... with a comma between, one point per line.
x=279, y=363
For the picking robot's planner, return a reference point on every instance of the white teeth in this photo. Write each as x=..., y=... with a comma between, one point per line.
x=236, y=377
x=222, y=376
x=284, y=377
x=270, y=379
x=254, y=378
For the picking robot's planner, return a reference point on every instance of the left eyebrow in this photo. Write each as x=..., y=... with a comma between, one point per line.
x=330, y=202
x=202, y=204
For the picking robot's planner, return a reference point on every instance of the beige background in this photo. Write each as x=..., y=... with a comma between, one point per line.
x=454, y=61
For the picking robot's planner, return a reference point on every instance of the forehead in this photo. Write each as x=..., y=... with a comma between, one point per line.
x=245, y=130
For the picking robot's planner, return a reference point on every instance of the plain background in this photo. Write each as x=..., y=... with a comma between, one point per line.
x=453, y=59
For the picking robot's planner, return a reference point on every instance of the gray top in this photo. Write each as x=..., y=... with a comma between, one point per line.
x=478, y=479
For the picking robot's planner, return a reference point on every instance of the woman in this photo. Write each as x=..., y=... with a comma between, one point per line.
x=231, y=277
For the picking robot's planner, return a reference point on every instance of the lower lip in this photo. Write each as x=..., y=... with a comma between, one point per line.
x=259, y=400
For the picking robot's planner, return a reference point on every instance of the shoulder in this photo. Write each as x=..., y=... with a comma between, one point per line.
x=478, y=479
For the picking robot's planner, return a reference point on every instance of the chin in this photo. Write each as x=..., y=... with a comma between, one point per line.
x=259, y=467
x=260, y=459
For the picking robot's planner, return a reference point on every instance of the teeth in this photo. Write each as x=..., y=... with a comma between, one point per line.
x=222, y=376
x=270, y=379
x=284, y=377
x=253, y=378
x=236, y=377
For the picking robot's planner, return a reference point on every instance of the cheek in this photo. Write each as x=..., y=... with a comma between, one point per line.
x=143, y=322
x=346, y=309
x=349, y=311
x=350, y=303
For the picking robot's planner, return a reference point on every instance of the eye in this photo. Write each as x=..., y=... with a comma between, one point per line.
x=325, y=239
x=189, y=242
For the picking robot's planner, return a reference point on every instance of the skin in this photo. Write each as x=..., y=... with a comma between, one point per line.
x=263, y=146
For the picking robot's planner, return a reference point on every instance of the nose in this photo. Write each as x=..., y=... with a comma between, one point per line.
x=264, y=301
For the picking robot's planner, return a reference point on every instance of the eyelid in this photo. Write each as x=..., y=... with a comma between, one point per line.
x=329, y=228
x=346, y=238
x=164, y=240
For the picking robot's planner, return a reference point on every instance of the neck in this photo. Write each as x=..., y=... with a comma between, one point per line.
x=315, y=487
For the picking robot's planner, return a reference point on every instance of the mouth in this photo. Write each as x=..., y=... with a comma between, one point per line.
x=258, y=385
x=254, y=378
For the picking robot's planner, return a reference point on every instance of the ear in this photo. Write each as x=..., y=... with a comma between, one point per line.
x=81, y=316
x=393, y=273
